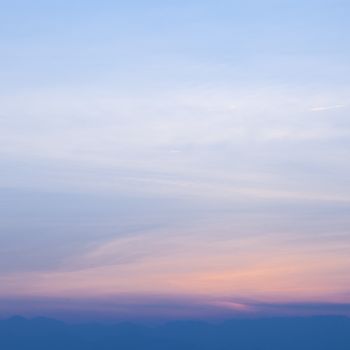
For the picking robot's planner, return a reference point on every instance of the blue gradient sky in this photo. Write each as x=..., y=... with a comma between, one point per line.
x=175, y=150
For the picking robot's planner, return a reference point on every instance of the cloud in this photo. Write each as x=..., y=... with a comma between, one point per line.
x=326, y=108
x=181, y=142
x=160, y=308
x=209, y=260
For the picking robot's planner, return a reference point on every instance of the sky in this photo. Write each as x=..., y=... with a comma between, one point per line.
x=174, y=158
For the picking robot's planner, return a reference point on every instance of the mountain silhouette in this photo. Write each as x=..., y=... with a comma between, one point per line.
x=309, y=333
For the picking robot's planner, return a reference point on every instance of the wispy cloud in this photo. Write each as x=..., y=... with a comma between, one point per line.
x=179, y=141
x=326, y=108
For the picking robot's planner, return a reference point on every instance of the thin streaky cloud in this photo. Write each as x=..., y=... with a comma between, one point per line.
x=326, y=108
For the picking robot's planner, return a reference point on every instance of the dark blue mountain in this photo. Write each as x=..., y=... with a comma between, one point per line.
x=313, y=333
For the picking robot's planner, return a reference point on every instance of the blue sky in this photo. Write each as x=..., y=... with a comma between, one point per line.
x=188, y=148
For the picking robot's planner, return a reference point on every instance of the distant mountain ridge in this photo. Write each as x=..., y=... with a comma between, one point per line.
x=294, y=333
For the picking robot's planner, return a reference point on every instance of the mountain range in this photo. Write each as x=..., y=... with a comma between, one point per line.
x=289, y=333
